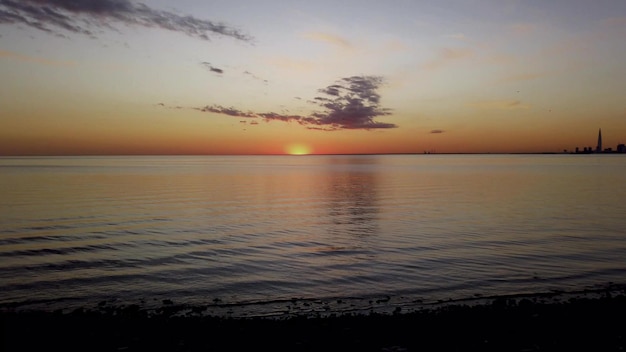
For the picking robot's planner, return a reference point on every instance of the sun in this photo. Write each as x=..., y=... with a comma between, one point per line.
x=298, y=149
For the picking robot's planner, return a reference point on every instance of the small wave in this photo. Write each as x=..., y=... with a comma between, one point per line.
x=55, y=251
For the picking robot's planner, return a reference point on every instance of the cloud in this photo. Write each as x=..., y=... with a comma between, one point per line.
x=350, y=103
x=81, y=16
x=499, y=105
x=254, y=76
x=271, y=116
x=211, y=67
x=178, y=107
x=221, y=71
x=267, y=116
x=226, y=111
x=436, y=131
x=329, y=38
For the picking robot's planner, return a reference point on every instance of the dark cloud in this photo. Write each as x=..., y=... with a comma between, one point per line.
x=178, y=107
x=267, y=116
x=254, y=76
x=303, y=120
x=212, y=68
x=437, y=131
x=81, y=16
x=350, y=103
x=227, y=111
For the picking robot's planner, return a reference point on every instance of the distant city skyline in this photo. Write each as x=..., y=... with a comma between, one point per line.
x=619, y=148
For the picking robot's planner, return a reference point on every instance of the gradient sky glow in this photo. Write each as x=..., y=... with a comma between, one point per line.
x=274, y=77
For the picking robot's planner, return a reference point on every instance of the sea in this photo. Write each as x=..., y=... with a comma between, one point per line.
x=312, y=234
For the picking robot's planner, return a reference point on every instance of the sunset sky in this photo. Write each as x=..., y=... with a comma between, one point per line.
x=273, y=77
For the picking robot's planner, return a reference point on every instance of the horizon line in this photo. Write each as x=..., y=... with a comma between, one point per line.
x=302, y=155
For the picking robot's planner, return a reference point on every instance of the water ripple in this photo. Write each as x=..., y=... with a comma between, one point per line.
x=74, y=231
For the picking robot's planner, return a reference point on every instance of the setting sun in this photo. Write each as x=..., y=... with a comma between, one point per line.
x=298, y=149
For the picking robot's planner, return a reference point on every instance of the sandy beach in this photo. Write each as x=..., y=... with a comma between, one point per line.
x=581, y=322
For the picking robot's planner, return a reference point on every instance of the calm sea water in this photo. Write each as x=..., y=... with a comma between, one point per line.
x=266, y=234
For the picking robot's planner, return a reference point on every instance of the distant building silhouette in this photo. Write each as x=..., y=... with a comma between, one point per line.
x=621, y=148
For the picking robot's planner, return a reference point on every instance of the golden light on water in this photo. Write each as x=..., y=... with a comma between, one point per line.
x=298, y=149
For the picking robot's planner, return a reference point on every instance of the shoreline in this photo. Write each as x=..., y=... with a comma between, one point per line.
x=300, y=306
x=590, y=320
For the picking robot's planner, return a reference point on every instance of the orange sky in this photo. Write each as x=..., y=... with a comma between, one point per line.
x=332, y=77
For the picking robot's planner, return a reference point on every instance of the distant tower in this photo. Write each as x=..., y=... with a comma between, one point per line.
x=599, y=146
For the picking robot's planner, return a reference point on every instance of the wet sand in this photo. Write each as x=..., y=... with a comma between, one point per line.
x=578, y=323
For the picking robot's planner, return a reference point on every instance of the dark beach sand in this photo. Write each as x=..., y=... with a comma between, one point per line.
x=531, y=323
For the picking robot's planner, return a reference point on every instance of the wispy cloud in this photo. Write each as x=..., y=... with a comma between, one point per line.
x=254, y=76
x=212, y=68
x=350, y=103
x=436, y=131
x=499, y=105
x=82, y=16
x=328, y=38
x=25, y=58
x=218, y=109
x=220, y=71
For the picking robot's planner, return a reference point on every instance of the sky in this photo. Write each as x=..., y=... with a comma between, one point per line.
x=117, y=77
